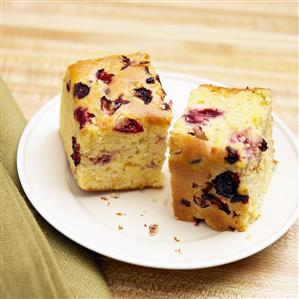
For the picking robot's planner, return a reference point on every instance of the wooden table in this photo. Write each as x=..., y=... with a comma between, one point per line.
x=238, y=43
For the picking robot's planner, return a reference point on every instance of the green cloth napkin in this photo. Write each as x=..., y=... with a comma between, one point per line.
x=36, y=260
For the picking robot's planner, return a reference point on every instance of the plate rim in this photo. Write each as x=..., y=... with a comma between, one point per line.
x=171, y=266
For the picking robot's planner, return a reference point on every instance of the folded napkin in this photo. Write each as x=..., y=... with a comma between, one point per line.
x=36, y=260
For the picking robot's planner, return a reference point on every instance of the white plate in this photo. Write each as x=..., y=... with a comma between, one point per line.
x=93, y=223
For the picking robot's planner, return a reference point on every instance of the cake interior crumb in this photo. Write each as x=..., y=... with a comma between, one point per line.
x=120, y=227
x=176, y=239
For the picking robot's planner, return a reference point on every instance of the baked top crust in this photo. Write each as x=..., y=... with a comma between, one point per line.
x=115, y=87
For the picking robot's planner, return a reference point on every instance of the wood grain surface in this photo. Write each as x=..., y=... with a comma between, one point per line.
x=238, y=43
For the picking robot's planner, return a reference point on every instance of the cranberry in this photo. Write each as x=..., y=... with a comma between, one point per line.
x=195, y=161
x=76, y=151
x=167, y=106
x=129, y=125
x=144, y=94
x=150, y=80
x=216, y=201
x=197, y=221
x=263, y=145
x=125, y=61
x=231, y=228
x=195, y=185
x=185, y=202
x=232, y=155
x=102, y=160
x=201, y=202
x=103, y=76
x=240, y=198
x=83, y=116
x=68, y=85
x=109, y=107
x=81, y=90
x=146, y=69
x=226, y=183
x=201, y=116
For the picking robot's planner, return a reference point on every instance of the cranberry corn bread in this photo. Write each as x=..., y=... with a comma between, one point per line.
x=221, y=156
x=114, y=122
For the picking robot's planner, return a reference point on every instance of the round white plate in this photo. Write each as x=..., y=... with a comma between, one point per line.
x=93, y=222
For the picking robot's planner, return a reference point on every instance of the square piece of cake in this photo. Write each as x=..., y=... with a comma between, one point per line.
x=221, y=156
x=114, y=122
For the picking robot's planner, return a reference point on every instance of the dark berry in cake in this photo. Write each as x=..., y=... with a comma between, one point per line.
x=167, y=106
x=240, y=198
x=232, y=155
x=197, y=221
x=76, y=151
x=109, y=107
x=102, y=160
x=128, y=125
x=144, y=94
x=263, y=145
x=150, y=80
x=226, y=183
x=185, y=202
x=125, y=61
x=82, y=115
x=103, y=76
x=81, y=90
x=201, y=116
x=68, y=85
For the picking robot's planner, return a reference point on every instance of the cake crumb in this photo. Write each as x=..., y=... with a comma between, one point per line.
x=115, y=195
x=120, y=214
x=141, y=215
x=108, y=203
x=153, y=229
x=176, y=239
x=178, y=250
x=104, y=198
x=120, y=227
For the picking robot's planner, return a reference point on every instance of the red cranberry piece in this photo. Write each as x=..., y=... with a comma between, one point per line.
x=197, y=221
x=167, y=106
x=201, y=116
x=102, y=160
x=240, y=198
x=103, y=76
x=232, y=155
x=150, y=80
x=216, y=201
x=106, y=106
x=263, y=146
x=125, y=61
x=68, y=85
x=109, y=107
x=129, y=125
x=185, y=202
x=226, y=183
x=83, y=116
x=195, y=185
x=81, y=90
x=144, y=94
x=76, y=151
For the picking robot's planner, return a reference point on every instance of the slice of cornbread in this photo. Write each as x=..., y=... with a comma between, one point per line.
x=114, y=122
x=221, y=156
